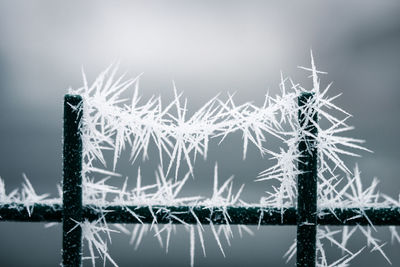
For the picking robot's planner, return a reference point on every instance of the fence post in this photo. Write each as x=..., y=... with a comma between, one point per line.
x=72, y=182
x=307, y=185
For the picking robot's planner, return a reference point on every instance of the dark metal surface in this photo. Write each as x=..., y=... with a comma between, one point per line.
x=307, y=185
x=72, y=182
x=238, y=215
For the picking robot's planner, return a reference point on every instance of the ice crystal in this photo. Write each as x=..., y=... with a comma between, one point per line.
x=113, y=123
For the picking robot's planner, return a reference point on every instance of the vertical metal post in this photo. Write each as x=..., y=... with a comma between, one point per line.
x=72, y=182
x=307, y=186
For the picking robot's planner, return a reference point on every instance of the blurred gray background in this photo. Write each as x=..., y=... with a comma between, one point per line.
x=207, y=47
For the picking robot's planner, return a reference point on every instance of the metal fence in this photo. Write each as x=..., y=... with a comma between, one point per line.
x=305, y=216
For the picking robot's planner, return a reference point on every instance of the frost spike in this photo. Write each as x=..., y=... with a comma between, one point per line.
x=192, y=244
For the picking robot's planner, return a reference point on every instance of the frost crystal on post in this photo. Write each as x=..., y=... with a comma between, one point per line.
x=113, y=123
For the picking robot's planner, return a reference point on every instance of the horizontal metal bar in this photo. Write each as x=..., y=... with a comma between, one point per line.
x=179, y=214
x=33, y=213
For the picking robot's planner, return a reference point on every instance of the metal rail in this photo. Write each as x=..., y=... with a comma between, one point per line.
x=238, y=215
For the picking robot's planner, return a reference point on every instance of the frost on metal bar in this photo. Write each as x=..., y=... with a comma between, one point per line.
x=113, y=123
x=72, y=182
x=188, y=214
x=307, y=185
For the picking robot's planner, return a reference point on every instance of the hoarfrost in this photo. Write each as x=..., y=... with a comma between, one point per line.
x=113, y=123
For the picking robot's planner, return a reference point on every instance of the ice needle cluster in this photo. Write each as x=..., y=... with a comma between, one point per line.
x=112, y=122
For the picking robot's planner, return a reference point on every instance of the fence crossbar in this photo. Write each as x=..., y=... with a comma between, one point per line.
x=238, y=215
